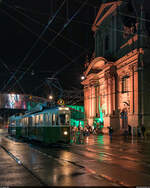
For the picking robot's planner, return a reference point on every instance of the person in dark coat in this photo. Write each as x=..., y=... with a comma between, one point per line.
x=110, y=132
x=129, y=130
x=138, y=131
x=143, y=130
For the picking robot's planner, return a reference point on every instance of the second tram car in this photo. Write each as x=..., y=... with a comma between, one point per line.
x=48, y=126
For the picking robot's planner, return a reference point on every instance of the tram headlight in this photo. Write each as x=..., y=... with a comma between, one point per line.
x=65, y=132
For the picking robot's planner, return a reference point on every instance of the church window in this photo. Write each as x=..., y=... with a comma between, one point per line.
x=125, y=84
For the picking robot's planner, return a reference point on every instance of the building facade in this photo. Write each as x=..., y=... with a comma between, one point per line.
x=117, y=76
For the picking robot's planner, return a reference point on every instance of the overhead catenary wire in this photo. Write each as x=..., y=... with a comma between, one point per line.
x=120, y=30
x=50, y=29
x=7, y=68
x=63, y=68
x=143, y=19
x=58, y=17
x=60, y=51
x=32, y=33
x=50, y=43
x=35, y=43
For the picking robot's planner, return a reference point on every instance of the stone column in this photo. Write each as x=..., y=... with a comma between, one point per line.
x=106, y=76
x=131, y=88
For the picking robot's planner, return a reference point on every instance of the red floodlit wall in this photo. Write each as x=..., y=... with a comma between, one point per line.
x=118, y=85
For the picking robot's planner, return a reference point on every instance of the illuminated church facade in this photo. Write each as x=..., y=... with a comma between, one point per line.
x=117, y=76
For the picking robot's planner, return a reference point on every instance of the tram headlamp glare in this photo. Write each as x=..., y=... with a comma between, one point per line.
x=65, y=132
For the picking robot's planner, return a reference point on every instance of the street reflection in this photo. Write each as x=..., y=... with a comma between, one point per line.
x=100, y=141
x=112, y=159
x=66, y=155
x=127, y=153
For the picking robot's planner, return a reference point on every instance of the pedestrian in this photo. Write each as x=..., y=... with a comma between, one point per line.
x=129, y=130
x=72, y=131
x=86, y=132
x=138, y=131
x=126, y=133
x=78, y=136
x=94, y=131
x=74, y=135
x=81, y=137
x=143, y=130
x=110, y=132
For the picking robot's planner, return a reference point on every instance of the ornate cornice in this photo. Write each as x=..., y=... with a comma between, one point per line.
x=133, y=67
x=102, y=60
x=110, y=73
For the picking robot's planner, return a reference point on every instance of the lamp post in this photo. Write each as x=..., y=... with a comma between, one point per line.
x=82, y=77
x=50, y=97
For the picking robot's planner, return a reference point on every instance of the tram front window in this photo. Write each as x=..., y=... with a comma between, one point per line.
x=62, y=119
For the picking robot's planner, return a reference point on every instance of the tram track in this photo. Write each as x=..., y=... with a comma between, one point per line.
x=60, y=160
x=90, y=170
x=19, y=162
x=87, y=170
x=74, y=163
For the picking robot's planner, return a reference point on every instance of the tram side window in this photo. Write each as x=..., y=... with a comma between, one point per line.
x=67, y=119
x=46, y=119
x=50, y=119
x=41, y=119
x=12, y=123
x=17, y=123
x=62, y=119
x=33, y=121
x=36, y=119
x=53, y=119
x=30, y=120
x=27, y=121
x=23, y=122
x=56, y=117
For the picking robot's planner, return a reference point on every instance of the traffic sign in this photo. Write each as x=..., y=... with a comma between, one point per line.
x=60, y=102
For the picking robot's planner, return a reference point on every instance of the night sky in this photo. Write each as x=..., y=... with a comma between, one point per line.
x=22, y=21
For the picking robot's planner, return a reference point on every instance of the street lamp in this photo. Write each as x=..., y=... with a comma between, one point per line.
x=50, y=97
x=82, y=77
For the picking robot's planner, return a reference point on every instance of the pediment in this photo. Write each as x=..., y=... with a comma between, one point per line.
x=96, y=65
x=105, y=10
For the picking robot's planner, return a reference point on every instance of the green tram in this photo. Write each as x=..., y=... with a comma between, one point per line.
x=48, y=126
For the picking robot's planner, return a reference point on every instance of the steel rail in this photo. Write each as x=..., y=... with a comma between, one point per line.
x=19, y=162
